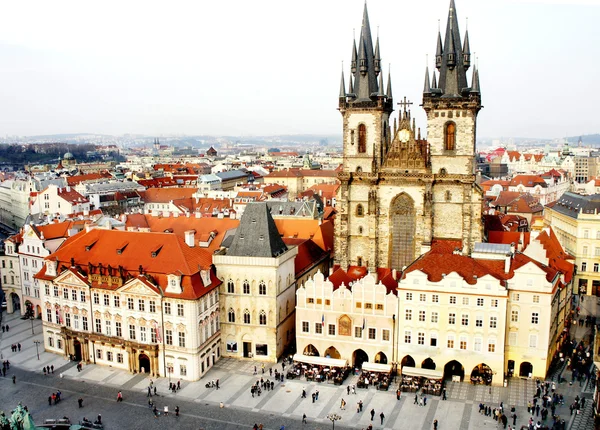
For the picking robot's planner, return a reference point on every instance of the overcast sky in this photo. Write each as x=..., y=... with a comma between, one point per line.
x=261, y=67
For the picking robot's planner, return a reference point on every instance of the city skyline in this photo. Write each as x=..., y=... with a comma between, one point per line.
x=270, y=68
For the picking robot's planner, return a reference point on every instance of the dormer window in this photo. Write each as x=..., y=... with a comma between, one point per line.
x=174, y=284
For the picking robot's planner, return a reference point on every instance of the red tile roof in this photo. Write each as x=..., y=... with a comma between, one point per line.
x=354, y=273
x=70, y=195
x=165, y=195
x=528, y=181
x=78, y=179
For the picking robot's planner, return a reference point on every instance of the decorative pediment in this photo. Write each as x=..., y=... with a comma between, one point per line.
x=69, y=278
x=97, y=314
x=48, y=305
x=137, y=287
x=66, y=309
x=181, y=327
x=142, y=322
x=118, y=318
x=107, y=315
x=75, y=311
x=131, y=320
x=169, y=325
x=84, y=312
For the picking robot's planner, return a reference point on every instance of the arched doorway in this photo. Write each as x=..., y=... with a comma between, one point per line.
x=358, y=358
x=428, y=363
x=454, y=368
x=381, y=358
x=482, y=374
x=38, y=312
x=311, y=350
x=408, y=361
x=77, y=350
x=526, y=369
x=511, y=368
x=332, y=352
x=28, y=309
x=16, y=301
x=403, y=225
x=144, y=363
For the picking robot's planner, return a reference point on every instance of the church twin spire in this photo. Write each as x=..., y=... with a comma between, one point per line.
x=452, y=60
x=365, y=82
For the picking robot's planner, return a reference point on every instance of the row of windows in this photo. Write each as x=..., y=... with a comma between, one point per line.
x=358, y=331
x=311, y=300
x=493, y=321
x=450, y=342
x=262, y=287
x=109, y=356
x=141, y=303
x=586, y=235
x=262, y=317
x=10, y=264
x=584, y=267
x=514, y=316
x=12, y=279
x=435, y=298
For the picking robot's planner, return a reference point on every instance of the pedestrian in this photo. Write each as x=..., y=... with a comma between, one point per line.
x=372, y=414
x=398, y=394
x=119, y=397
x=155, y=411
x=150, y=403
x=317, y=395
x=360, y=405
x=416, y=402
x=270, y=371
x=262, y=367
x=166, y=411
x=303, y=396
x=80, y=402
x=52, y=368
x=44, y=369
x=99, y=419
x=3, y=329
x=435, y=423
x=149, y=391
x=514, y=417
x=342, y=405
x=176, y=411
x=255, y=370
x=14, y=379
x=382, y=416
x=444, y=394
x=49, y=400
x=313, y=397
x=155, y=391
x=348, y=389
x=216, y=384
x=19, y=347
x=303, y=418
x=357, y=407
x=424, y=400
x=7, y=328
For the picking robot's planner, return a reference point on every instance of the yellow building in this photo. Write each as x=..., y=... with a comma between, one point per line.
x=575, y=219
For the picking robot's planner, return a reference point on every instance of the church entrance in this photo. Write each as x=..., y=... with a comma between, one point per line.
x=77, y=350
x=144, y=362
x=402, y=238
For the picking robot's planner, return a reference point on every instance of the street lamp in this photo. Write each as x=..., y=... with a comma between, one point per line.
x=333, y=418
x=37, y=342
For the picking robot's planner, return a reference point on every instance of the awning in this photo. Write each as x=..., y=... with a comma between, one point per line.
x=376, y=367
x=426, y=373
x=320, y=361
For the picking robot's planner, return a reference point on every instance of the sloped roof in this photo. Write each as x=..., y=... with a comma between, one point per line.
x=508, y=237
x=573, y=205
x=70, y=195
x=165, y=195
x=354, y=273
x=257, y=234
x=320, y=232
x=309, y=254
x=528, y=181
x=518, y=202
x=75, y=180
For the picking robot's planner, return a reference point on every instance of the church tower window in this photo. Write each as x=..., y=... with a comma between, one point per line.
x=231, y=315
x=450, y=136
x=360, y=211
x=362, y=138
x=403, y=222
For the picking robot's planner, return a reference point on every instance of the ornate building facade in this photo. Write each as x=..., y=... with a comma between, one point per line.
x=398, y=190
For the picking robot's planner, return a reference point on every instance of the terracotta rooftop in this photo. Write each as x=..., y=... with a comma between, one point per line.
x=165, y=195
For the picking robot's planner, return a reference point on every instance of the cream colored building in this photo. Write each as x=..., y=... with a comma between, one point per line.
x=258, y=290
x=575, y=219
x=352, y=322
x=11, y=275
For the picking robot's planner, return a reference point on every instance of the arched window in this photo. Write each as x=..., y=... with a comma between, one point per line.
x=360, y=211
x=360, y=230
x=262, y=288
x=230, y=287
x=362, y=138
x=246, y=287
x=231, y=315
x=246, y=316
x=450, y=136
x=262, y=318
x=448, y=196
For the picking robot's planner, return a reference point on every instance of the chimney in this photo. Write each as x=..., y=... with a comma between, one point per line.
x=507, y=263
x=394, y=274
x=68, y=189
x=512, y=248
x=175, y=214
x=189, y=238
x=198, y=214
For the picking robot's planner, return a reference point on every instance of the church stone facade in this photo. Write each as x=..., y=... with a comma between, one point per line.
x=398, y=190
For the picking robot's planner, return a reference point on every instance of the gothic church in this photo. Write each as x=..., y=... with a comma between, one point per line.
x=399, y=191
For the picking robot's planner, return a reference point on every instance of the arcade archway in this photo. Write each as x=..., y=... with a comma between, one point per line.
x=358, y=358
x=332, y=352
x=381, y=358
x=311, y=350
x=408, y=361
x=454, y=369
x=482, y=374
x=428, y=363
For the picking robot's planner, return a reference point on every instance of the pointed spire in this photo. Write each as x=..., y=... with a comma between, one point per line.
x=453, y=79
x=389, y=84
x=427, y=88
x=353, y=64
x=434, y=81
x=475, y=81
x=342, y=86
x=377, y=58
x=466, y=52
x=350, y=86
x=439, y=52
x=363, y=66
x=380, y=93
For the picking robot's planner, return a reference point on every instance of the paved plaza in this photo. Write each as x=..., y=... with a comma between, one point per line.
x=200, y=406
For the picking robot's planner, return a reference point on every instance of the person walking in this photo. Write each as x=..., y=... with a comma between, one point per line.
x=424, y=400
x=44, y=369
x=51, y=367
x=99, y=419
x=14, y=379
x=119, y=397
x=19, y=347
x=416, y=402
x=313, y=397
x=80, y=402
x=303, y=418
x=49, y=400
x=435, y=423
x=155, y=411
x=372, y=414
x=166, y=411
x=398, y=394
x=444, y=394
x=176, y=411
x=382, y=416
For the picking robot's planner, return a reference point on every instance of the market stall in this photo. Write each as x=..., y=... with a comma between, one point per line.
x=377, y=374
x=427, y=380
x=319, y=369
